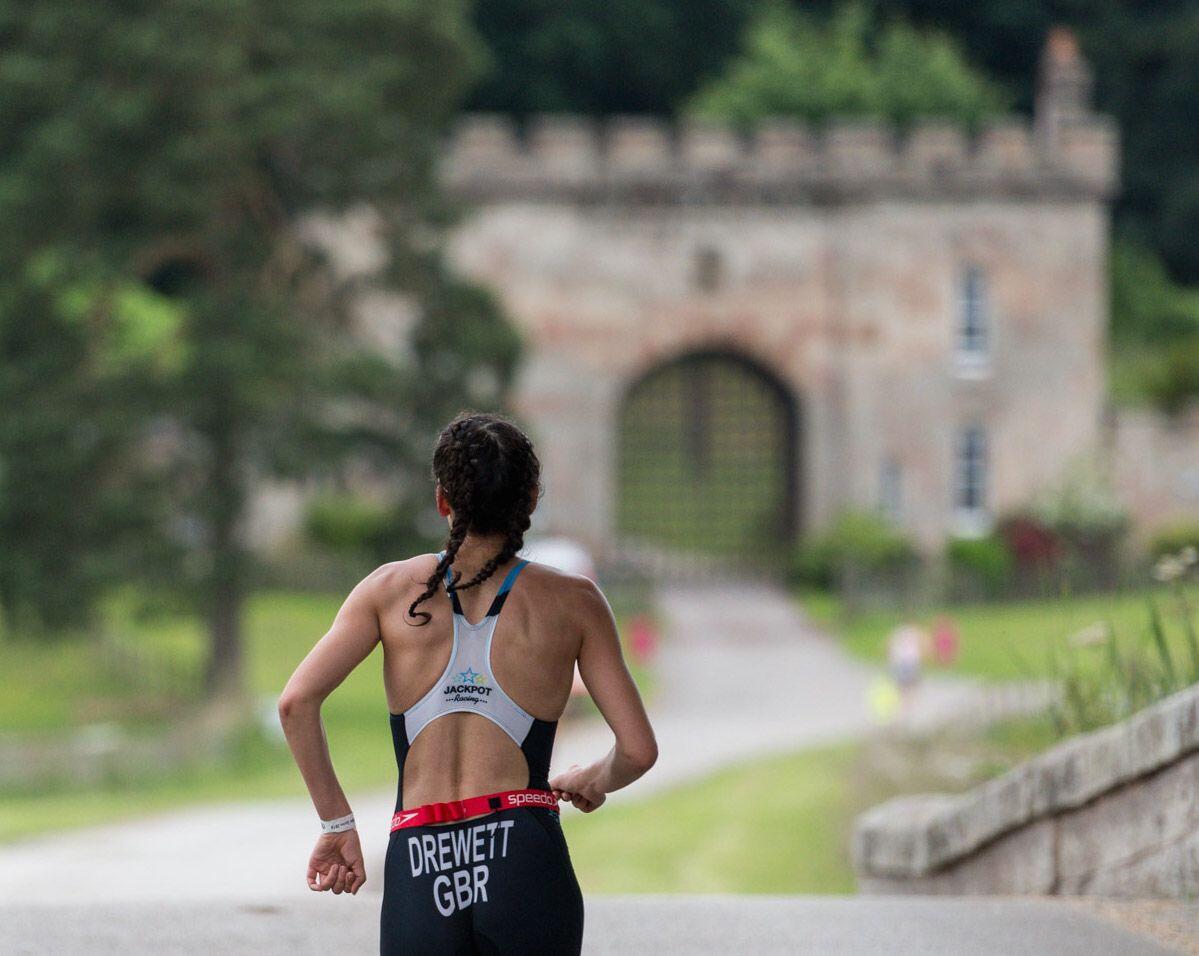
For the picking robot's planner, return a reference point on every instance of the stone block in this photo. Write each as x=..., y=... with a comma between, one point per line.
x=709, y=147
x=564, y=148
x=639, y=145
x=859, y=150
x=1007, y=148
x=932, y=150
x=784, y=147
x=1136, y=820
x=482, y=146
x=1018, y=863
x=1089, y=149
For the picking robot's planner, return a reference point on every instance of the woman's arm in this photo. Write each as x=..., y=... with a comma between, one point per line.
x=602, y=667
x=352, y=636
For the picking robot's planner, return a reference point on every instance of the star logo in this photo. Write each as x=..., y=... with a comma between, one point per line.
x=469, y=676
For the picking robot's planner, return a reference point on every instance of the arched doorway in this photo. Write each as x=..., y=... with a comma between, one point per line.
x=706, y=459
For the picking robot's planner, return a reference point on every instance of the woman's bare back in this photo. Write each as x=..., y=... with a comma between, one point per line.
x=533, y=652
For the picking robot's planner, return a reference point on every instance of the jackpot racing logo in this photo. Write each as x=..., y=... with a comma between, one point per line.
x=469, y=686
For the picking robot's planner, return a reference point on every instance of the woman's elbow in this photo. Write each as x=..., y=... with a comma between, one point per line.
x=293, y=703
x=644, y=755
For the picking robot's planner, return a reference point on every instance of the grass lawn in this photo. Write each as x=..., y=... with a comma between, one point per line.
x=773, y=826
x=996, y=638
x=779, y=825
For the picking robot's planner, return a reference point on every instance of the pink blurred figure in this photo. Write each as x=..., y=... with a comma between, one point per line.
x=643, y=638
x=946, y=641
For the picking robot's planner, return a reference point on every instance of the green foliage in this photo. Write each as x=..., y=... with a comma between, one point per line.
x=1174, y=538
x=985, y=563
x=155, y=164
x=857, y=543
x=1106, y=679
x=1081, y=504
x=797, y=65
x=1155, y=326
x=344, y=522
x=355, y=525
x=617, y=56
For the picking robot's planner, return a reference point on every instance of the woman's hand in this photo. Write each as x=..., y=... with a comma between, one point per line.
x=336, y=863
x=578, y=786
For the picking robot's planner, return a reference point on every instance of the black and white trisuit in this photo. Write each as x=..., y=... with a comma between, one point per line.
x=500, y=883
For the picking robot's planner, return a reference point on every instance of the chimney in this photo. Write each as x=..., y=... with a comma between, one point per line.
x=1064, y=87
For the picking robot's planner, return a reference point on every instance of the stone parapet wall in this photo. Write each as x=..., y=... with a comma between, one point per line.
x=1110, y=813
x=650, y=160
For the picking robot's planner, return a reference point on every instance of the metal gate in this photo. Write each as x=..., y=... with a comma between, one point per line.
x=706, y=462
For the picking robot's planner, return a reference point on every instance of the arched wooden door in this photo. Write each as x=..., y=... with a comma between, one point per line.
x=706, y=459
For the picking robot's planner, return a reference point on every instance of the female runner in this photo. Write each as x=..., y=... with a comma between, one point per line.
x=477, y=862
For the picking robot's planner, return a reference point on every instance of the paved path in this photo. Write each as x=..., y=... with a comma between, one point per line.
x=828, y=926
x=741, y=674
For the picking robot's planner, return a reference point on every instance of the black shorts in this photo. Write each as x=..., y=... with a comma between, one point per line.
x=502, y=883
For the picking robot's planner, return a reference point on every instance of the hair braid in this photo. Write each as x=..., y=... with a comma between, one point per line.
x=490, y=474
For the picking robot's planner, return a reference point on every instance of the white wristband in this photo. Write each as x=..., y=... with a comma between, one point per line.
x=340, y=825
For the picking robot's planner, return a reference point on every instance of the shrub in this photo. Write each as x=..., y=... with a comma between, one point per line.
x=1081, y=526
x=856, y=544
x=1174, y=538
x=345, y=522
x=1032, y=545
x=980, y=564
x=355, y=526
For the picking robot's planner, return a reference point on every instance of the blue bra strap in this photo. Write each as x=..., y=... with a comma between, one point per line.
x=505, y=587
x=449, y=577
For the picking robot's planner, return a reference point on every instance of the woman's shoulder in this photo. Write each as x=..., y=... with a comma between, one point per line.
x=397, y=578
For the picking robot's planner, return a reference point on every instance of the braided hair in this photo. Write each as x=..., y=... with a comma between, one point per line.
x=491, y=477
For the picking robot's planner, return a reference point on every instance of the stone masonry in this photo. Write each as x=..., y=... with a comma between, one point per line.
x=1110, y=813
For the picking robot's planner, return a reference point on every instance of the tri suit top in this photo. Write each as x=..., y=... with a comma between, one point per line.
x=500, y=883
x=468, y=685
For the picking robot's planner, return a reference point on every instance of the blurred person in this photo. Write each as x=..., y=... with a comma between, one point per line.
x=905, y=656
x=477, y=860
x=945, y=641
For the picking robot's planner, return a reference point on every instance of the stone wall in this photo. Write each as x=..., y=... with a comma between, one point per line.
x=1155, y=466
x=1110, y=813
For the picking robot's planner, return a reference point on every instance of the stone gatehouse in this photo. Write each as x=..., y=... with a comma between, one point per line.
x=816, y=320
x=730, y=339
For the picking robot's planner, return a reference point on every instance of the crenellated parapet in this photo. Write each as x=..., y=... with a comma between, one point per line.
x=1066, y=150
x=640, y=158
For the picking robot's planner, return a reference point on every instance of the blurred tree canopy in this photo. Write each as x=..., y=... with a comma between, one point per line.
x=167, y=333
x=795, y=64
x=601, y=56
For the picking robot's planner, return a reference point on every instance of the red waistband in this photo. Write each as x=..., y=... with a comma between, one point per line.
x=473, y=806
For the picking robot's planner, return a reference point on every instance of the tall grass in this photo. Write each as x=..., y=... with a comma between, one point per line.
x=1106, y=678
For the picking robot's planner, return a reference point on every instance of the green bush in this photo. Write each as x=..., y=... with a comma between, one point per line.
x=1174, y=538
x=857, y=543
x=984, y=564
x=345, y=522
x=355, y=526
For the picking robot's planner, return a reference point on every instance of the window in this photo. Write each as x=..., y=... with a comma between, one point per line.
x=972, y=339
x=890, y=490
x=970, y=481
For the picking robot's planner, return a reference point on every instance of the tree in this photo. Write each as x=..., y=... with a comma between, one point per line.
x=171, y=150
x=601, y=56
x=80, y=503
x=796, y=65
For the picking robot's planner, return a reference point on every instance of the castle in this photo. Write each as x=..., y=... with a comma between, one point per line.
x=736, y=338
